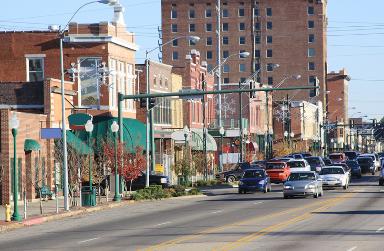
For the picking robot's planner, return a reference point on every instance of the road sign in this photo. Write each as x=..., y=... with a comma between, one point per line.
x=159, y=168
x=50, y=133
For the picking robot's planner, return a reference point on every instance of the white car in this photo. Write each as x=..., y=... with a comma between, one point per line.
x=375, y=159
x=299, y=165
x=334, y=176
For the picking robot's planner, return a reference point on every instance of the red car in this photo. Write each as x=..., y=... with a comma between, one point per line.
x=278, y=171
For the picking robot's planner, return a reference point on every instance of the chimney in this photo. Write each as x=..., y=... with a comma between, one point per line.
x=118, y=14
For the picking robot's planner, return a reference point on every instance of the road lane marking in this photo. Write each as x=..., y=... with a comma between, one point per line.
x=164, y=223
x=84, y=241
x=216, y=212
x=257, y=203
x=252, y=237
x=247, y=221
x=379, y=230
x=352, y=248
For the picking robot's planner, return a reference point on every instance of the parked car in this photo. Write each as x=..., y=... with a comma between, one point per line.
x=234, y=174
x=299, y=165
x=366, y=164
x=351, y=155
x=278, y=171
x=316, y=163
x=154, y=179
x=337, y=157
x=260, y=163
x=303, y=184
x=327, y=161
x=255, y=180
x=355, y=168
x=334, y=176
x=297, y=155
x=375, y=158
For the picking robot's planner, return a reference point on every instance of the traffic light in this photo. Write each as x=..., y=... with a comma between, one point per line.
x=252, y=85
x=152, y=102
x=143, y=103
x=317, y=85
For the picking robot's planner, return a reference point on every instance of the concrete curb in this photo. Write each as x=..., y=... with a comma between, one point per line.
x=8, y=226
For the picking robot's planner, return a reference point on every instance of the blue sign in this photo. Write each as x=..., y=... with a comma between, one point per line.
x=50, y=133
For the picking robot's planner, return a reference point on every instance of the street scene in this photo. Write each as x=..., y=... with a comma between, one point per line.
x=191, y=125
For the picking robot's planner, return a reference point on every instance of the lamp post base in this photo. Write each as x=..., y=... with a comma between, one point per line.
x=117, y=198
x=16, y=217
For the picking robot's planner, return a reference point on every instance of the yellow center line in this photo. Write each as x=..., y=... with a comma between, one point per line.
x=245, y=240
x=239, y=223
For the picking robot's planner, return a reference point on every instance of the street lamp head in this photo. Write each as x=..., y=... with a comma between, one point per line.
x=285, y=134
x=110, y=2
x=245, y=132
x=292, y=135
x=194, y=39
x=14, y=121
x=114, y=127
x=274, y=66
x=186, y=130
x=244, y=54
x=296, y=77
x=221, y=131
x=89, y=126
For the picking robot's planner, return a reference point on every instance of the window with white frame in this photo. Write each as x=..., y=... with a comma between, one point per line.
x=112, y=84
x=89, y=85
x=35, y=69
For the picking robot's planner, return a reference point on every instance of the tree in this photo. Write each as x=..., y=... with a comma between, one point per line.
x=134, y=166
x=183, y=168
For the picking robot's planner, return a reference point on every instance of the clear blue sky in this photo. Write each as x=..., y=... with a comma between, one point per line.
x=356, y=36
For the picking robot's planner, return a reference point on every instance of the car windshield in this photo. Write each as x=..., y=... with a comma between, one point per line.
x=313, y=161
x=352, y=163
x=336, y=156
x=351, y=155
x=325, y=171
x=296, y=164
x=277, y=165
x=301, y=176
x=253, y=174
x=366, y=160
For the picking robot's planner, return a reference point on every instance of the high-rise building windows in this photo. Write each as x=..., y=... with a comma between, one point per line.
x=269, y=53
x=175, y=42
x=226, y=68
x=175, y=55
x=226, y=80
x=174, y=27
x=269, y=25
x=241, y=40
x=270, y=80
x=242, y=67
x=257, y=26
x=208, y=27
x=225, y=27
x=192, y=27
x=257, y=67
x=311, y=66
x=209, y=55
x=256, y=12
x=209, y=41
x=311, y=38
x=270, y=67
x=208, y=13
x=173, y=14
x=257, y=40
x=311, y=52
x=242, y=80
x=257, y=53
x=241, y=12
x=225, y=13
x=311, y=24
x=269, y=12
x=269, y=39
x=225, y=40
x=242, y=26
x=311, y=10
x=192, y=13
x=35, y=70
x=225, y=54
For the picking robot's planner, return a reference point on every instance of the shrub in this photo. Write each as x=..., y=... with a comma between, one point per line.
x=194, y=191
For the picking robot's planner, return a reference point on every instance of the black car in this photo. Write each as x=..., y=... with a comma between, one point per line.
x=355, y=168
x=327, y=161
x=351, y=155
x=154, y=179
x=316, y=163
x=366, y=164
x=236, y=173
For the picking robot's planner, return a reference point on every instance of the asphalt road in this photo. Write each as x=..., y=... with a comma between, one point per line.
x=224, y=220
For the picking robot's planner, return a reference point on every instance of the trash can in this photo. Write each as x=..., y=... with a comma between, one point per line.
x=88, y=197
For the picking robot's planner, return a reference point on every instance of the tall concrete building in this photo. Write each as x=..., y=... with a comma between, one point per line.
x=289, y=33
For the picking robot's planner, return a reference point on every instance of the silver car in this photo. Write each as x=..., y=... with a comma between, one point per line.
x=303, y=184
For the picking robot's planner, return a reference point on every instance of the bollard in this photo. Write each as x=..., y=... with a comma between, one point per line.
x=7, y=213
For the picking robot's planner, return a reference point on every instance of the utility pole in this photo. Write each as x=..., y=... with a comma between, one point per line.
x=218, y=58
x=204, y=132
x=266, y=150
x=240, y=124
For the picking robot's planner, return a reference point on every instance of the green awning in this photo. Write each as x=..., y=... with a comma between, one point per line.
x=134, y=132
x=196, y=141
x=31, y=145
x=78, y=144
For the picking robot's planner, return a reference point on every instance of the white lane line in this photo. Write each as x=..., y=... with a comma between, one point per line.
x=218, y=211
x=352, y=248
x=88, y=240
x=359, y=190
x=379, y=230
x=382, y=190
x=164, y=223
x=257, y=203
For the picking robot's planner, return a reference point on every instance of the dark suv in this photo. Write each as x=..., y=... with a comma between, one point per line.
x=234, y=174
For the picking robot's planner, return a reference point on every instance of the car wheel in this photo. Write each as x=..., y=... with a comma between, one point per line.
x=381, y=182
x=286, y=196
x=345, y=187
x=316, y=195
x=231, y=179
x=373, y=172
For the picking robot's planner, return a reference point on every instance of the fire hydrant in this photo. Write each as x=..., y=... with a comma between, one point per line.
x=7, y=213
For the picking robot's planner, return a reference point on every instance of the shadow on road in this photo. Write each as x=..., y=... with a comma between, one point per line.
x=361, y=212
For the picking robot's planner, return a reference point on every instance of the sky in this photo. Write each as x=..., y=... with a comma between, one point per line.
x=355, y=41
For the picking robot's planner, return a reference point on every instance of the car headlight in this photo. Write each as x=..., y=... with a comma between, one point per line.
x=310, y=186
x=163, y=180
x=241, y=183
x=288, y=187
x=261, y=182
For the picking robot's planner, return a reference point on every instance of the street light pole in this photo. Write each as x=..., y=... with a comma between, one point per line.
x=221, y=131
x=14, y=123
x=240, y=124
x=89, y=129
x=115, y=129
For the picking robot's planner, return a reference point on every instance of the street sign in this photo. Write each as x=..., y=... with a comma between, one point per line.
x=159, y=168
x=50, y=133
